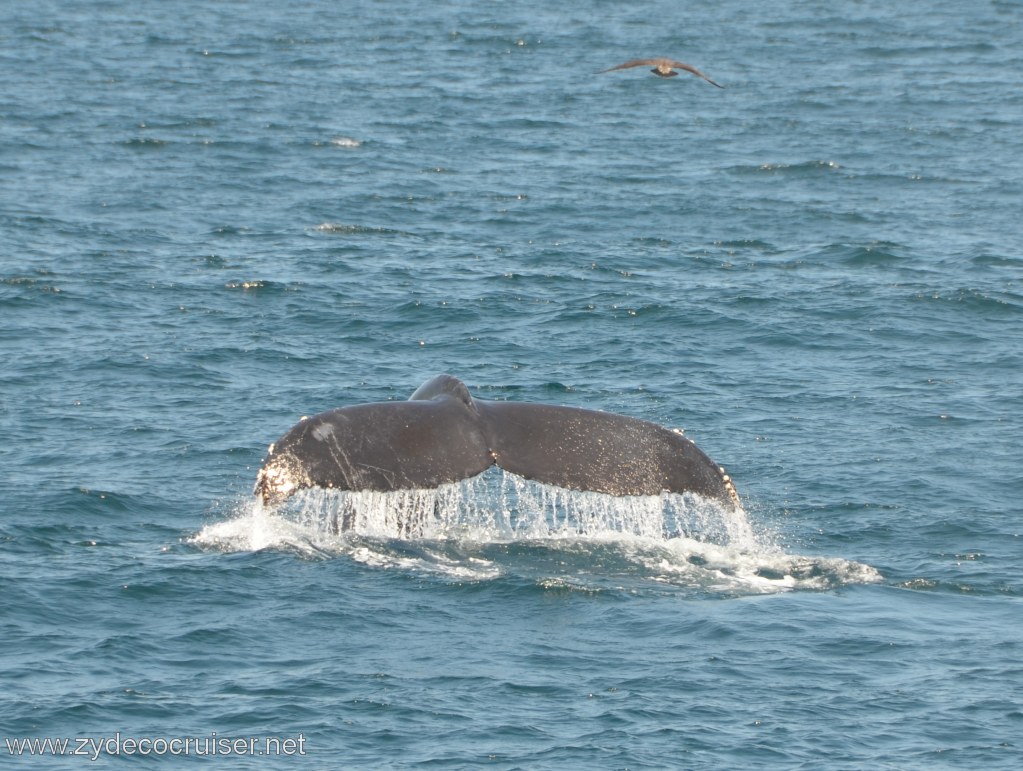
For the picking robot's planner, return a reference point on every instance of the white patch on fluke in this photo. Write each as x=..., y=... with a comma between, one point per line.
x=323, y=431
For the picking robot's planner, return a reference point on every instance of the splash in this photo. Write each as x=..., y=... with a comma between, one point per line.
x=498, y=505
x=501, y=526
x=342, y=141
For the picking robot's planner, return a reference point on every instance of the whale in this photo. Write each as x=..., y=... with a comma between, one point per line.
x=442, y=435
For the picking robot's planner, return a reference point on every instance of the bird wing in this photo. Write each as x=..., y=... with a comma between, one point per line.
x=632, y=63
x=692, y=69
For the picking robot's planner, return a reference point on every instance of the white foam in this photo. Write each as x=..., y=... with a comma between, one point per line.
x=254, y=528
x=345, y=142
x=461, y=531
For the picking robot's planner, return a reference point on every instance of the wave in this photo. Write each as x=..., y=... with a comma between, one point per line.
x=797, y=168
x=498, y=527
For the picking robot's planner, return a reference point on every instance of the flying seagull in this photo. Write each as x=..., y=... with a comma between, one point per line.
x=663, y=67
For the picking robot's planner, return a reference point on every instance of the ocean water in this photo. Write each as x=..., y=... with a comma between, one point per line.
x=216, y=217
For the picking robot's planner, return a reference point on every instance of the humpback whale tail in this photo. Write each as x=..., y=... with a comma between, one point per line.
x=443, y=435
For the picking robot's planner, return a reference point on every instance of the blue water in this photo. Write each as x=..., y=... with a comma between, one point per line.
x=218, y=217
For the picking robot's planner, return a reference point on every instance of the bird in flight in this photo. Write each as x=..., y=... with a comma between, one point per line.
x=664, y=68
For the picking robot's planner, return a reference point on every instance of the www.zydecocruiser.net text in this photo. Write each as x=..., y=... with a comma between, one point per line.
x=204, y=746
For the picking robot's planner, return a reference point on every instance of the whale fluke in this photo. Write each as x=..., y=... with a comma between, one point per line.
x=443, y=435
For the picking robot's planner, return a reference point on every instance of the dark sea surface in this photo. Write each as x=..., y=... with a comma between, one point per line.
x=216, y=217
